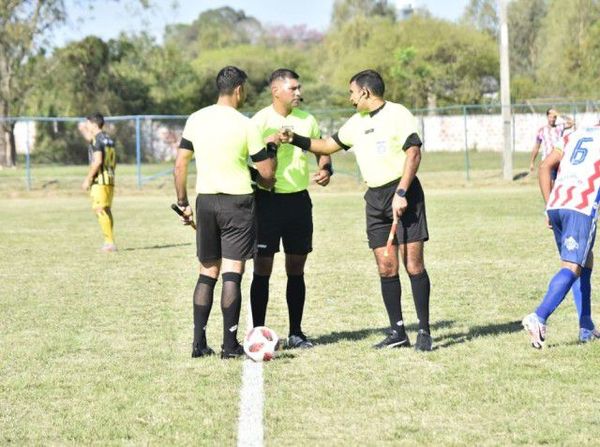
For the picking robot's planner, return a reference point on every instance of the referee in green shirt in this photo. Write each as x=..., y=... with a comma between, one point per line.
x=385, y=140
x=285, y=212
x=222, y=139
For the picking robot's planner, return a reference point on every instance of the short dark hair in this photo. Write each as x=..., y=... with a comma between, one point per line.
x=96, y=118
x=371, y=80
x=229, y=78
x=550, y=110
x=283, y=73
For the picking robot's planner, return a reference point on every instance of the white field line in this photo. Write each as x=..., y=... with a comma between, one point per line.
x=252, y=398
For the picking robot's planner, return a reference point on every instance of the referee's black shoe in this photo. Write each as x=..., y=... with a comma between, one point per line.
x=424, y=341
x=299, y=341
x=232, y=353
x=202, y=351
x=394, y=340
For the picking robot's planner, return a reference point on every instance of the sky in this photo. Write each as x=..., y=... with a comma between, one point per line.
x=106, y=20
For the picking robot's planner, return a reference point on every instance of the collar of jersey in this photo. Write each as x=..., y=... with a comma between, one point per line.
x=377, y=110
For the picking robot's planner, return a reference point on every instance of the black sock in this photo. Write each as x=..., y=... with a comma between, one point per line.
x=421, y=289
x=203, y=300
x=295, y=295
x=392, y=293
x=231, y=303
x=259, y=298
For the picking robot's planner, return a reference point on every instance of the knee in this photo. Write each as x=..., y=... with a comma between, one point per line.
x=414, y=270
x=387, y=269
x=263, y=266
x=294, y=265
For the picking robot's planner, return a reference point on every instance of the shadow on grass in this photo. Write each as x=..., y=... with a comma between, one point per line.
x=336, y=337
x=156, y=247
x=476, y=331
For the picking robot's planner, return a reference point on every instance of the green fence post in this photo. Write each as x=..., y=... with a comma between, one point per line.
x=27, y=157
x=466, y=144
x=138, y=152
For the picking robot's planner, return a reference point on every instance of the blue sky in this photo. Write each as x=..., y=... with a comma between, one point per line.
x=108, y=19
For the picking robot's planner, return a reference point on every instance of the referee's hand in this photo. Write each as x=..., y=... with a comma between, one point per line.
x=188, y=215
x=399, y=205
x=322, y=177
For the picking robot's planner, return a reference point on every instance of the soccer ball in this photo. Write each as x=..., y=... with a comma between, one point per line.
x=260, y=344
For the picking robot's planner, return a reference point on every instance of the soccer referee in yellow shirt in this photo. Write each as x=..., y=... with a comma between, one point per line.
x=386, y=143
x=285, y=212
x=221, y=139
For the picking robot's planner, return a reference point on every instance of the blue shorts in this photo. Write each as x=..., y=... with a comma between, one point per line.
x=574, y=234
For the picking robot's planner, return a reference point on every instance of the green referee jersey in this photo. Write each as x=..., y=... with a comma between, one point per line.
x=378, y=139
x=292, y=162
x=222, y=139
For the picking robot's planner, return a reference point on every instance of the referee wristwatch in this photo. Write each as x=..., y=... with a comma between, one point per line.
x=401, y=192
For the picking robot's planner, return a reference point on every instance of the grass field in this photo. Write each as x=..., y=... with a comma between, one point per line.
x=448, y=167
x=95, y=348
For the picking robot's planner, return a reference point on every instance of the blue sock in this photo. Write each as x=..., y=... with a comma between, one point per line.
x=557, y=289
x=582, y=292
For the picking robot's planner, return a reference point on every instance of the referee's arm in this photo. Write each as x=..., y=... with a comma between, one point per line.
x=184, y=155
x=411, y=165
x=315, y=145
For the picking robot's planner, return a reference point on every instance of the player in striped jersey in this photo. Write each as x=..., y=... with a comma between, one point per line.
x=100, y=179
x=548, y=136
x=572, y=208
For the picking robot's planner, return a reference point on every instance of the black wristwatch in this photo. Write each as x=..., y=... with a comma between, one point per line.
x=401, y=192
x=327, y=167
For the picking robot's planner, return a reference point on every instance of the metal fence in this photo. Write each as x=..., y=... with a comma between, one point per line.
x=148, y=143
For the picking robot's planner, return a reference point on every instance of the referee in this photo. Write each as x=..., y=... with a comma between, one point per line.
x=285, y=213
x=387, y=146
x=221, y=139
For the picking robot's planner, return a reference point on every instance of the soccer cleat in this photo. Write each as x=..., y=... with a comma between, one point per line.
x=235, y=352
x=393, y=340
x=424, y=341
x=204, y=351
x=108, y=248
x=299, y=341
x=587, y=335
x=535, y=329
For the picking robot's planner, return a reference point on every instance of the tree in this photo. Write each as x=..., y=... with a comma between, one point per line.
x=214, y=28
x=482, y=15
x=24, y=23
x=524, y=22
x=567, y=49
x=346, y=10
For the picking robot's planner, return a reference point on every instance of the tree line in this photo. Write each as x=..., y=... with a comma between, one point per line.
x=426, y=61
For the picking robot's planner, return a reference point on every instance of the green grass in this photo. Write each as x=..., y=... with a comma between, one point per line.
x=449, y=167
x=95, y=348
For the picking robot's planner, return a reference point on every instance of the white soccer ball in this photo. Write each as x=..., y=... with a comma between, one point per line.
x=260, y=344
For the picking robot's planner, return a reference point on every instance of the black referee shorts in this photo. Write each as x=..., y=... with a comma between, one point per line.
x=412, y=226
x=286, y=218
x=226, y=227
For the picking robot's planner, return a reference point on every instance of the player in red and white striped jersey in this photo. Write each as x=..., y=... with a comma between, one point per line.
x=572, y=208
x=548, y=136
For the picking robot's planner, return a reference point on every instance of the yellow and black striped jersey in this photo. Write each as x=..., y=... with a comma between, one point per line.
x=105, y=144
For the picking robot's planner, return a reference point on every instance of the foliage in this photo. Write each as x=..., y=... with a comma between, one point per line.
x=425, y=61
x=568, y=48
x=214, y=28
x=346, y=10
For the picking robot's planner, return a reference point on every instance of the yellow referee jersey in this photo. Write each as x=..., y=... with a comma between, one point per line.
x=377, y=139
x=292, y=164
x=222, y=139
